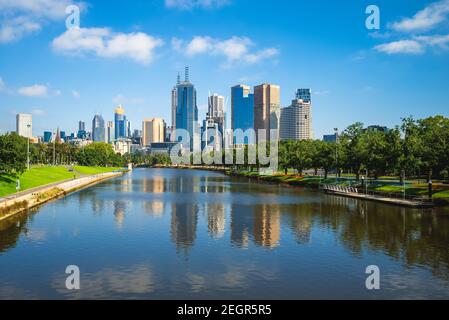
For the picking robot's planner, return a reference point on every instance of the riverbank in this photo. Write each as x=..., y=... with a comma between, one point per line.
x=41, y=175
x=390, y=194
x=13, y=205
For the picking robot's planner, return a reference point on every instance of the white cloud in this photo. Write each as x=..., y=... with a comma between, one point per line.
x=192, y=4
x=14, y=29
x=401, y=46
x=75, y=94
x=416, y=45
x=235, y=49
x=36, y=90
x=426, y=19
x=122, y=100
x=38, y=112
x=105, y=43
x=24, y=17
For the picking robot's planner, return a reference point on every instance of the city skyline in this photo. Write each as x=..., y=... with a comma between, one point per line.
x=355, y=73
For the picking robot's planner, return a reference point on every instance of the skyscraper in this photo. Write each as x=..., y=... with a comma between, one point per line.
x=267, y=105
x=81, y=126
x=216, y=111
x=296, y=121
x=242, y=111
x=187, y=109
x=110, y=132
x=120, y=123
x=304, y=94
x=153, y=131
x=98, y=129
x=47, y=136
x=174, y=102
x=24, y=125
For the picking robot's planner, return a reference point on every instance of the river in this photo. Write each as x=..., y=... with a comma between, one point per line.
x=187, y=234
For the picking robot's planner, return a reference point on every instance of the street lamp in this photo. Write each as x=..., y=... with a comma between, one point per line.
x=336, y=153
x=28, y=148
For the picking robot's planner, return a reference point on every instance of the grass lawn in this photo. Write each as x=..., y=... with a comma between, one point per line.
x=42, y=175
x=94, y=170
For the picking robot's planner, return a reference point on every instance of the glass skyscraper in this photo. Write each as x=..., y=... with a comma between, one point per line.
x=305, y=95
x=187, y=109
x=98, y=129
x=120, y=123
x=242, y=107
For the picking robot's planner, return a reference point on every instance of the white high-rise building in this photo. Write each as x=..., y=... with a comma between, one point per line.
x=110, y=132
x=24, y=125
x=296, y=121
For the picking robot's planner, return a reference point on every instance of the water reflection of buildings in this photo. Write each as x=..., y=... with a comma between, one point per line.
x=216, y=219
x=267, y=225
x=119, y=212
x=300, y=219
x=261, y=222
x=184, y=220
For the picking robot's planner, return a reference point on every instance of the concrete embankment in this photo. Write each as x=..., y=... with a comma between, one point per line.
x=13, y=205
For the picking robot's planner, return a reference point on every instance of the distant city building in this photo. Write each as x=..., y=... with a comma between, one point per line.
x=187, y=110
x=122, y=146
x=137, y=137
x=296, y=121
x=162, y=148
x=331, y=138
x=211, y=136
x=82, y=135
x=304, y=95
x=110, y=132
x=242, y=111
x=267, y=105
x=153, y=130
x=24, y=125
x=63, y=135
x=98, y=129
x=168, y=134
x=174, y=102
x=81, y=126
x=216, y=111
x=48, y=136
x=121, y=125
x=377, y=128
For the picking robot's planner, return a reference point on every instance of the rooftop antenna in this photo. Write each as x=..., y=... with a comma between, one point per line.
x=178, y=80
x=187, y=74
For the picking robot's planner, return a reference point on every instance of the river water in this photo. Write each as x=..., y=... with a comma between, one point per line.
x=187, y=234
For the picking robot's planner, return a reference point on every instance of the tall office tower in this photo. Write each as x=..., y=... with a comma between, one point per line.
x=267, y=105
x=296, y=121
x=187, y=109
x=128, y=129
x=174, y=102
x=24, y=125
x=153, y=131
x=81, y=126
x=110, y=132
x=305, y=95
x=120, y=123
x=242, y=111
x=216, y=111
x=98, y=129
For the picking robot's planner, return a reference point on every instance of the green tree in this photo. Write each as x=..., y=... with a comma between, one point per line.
x=13, y=154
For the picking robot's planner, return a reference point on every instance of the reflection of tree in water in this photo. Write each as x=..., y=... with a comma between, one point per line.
x=10, y=230
x=300, y=219
x=414, y=236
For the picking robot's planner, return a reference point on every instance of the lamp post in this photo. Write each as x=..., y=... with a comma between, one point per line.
x=28, y=148
x=336, y=153
x=54, y=149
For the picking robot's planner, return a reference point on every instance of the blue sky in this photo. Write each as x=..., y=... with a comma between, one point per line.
x=130, y=53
